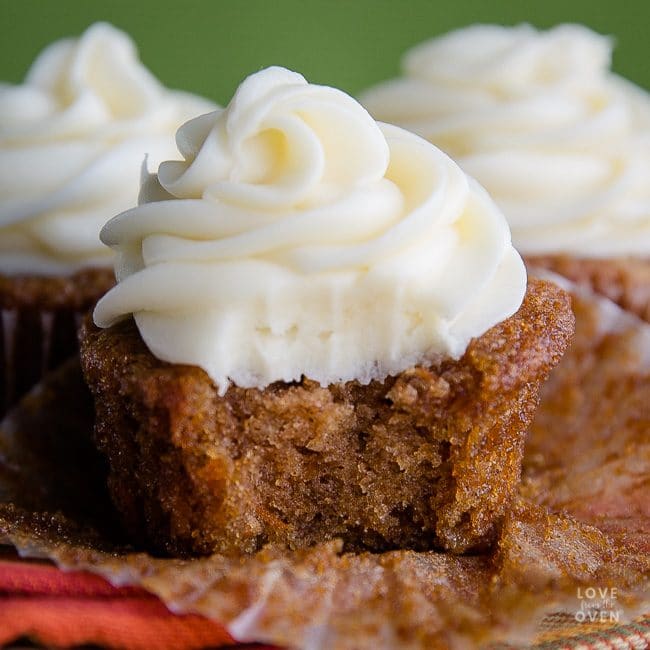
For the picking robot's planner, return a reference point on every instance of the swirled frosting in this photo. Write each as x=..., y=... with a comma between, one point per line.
x=560, y=142
x=298, y=237
x=73, y=138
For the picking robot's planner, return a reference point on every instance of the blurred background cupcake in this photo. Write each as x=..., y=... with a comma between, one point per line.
x=73, y=139
x=560, y=142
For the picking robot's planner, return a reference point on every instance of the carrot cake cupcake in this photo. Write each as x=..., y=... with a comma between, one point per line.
x=560, y=142
x=320, y=329
x=73, y=138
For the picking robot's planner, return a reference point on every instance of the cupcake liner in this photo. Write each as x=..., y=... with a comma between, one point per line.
x=32, y=342
x=588, y=448
x=39, y=319
x=544, y=562
x=8, y=318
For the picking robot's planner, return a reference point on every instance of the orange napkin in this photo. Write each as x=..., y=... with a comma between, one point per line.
x=56, y=608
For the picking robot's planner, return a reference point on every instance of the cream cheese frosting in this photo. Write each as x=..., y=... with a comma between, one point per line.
x=299, y=237
x=560, y=142
x=73, y=138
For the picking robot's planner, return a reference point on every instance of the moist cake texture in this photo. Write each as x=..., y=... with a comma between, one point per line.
x=429, y=458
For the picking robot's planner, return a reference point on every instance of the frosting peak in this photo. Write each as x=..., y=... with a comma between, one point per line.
x=282, y=143
x=510, y=59
x=560, y=142
x=298, y=237
x=74, y=136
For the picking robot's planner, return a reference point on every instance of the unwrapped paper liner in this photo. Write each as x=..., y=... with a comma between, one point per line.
x=554, y=546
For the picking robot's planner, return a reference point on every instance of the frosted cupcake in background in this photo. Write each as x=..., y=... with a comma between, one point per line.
x=560, y=142
x=73, y=138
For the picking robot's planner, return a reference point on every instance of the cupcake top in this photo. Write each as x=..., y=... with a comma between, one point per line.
x=73, y=138
x=299, y=237
x=560, y=142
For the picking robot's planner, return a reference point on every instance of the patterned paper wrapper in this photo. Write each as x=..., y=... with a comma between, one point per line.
x=575, y=549
x=39, y=319
x=32, y=342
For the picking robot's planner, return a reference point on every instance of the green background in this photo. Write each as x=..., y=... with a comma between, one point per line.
x=209, y=46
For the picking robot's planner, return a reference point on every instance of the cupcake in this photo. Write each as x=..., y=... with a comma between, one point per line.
x=73, y=138
x=560, y=142
x=320, y=330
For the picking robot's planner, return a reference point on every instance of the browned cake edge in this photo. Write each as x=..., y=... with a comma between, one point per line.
x=78, y=291
x=624, y=280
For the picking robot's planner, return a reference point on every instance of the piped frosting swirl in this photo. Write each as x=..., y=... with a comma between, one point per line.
x=560, y=142
x=73, y=138
x=298, y=237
